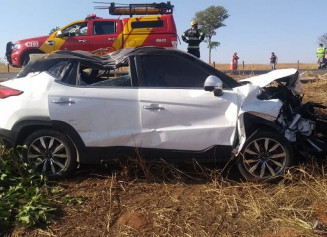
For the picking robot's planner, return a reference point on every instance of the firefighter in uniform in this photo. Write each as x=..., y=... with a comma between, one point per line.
x=193, y=37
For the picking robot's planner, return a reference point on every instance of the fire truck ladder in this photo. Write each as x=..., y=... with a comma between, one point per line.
x=138, y=9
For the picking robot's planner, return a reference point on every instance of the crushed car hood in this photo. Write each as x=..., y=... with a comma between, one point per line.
x=268, y=109
x=265, y=79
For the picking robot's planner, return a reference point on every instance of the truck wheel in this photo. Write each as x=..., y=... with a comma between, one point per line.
x=51, y=153
x=265, y=156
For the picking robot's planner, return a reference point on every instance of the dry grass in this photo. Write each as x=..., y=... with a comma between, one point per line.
x=197, y=204
x=4, y=68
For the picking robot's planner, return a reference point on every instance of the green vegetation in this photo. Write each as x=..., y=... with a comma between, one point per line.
x=323, y=39
x=210, y=20
x=26, y=199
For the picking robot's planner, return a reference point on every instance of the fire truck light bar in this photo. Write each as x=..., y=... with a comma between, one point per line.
x=139, y=9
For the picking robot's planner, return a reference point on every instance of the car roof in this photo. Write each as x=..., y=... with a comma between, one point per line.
x=108, y=61
x=113, y=60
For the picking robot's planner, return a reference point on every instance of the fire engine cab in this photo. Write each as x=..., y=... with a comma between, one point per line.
x=154, y=27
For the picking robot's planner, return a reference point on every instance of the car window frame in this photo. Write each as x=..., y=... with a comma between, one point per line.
x=141, y=73
x=76, y=71
x=94, y=22
x=77, y=23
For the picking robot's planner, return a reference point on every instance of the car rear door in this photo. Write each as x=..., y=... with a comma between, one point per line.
x=177, y=113
x=103, y=114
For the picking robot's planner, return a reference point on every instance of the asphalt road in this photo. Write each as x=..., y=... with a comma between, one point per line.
x=5, y=75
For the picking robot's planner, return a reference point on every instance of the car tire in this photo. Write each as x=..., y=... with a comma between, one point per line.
x=265, y=156
x=51, y=153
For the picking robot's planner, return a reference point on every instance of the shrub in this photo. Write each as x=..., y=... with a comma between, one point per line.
x=24, y=198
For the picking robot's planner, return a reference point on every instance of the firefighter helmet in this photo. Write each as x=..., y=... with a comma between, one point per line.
x=194, y=23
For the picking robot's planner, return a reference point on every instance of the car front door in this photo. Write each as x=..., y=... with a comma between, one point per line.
x=103, y=114
x=177, y=113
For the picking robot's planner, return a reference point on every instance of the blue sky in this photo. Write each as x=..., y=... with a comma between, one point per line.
x=255, y=28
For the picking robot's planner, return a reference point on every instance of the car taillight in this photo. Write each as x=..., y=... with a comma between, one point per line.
x=7, y=92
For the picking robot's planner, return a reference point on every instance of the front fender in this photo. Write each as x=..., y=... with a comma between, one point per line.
x=261, y=112
x=249, y=123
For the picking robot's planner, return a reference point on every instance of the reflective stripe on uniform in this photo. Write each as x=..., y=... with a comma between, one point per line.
x=193, y=38
x=193, y=47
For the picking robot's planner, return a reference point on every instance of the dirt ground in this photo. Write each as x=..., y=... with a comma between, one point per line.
x=160, y=200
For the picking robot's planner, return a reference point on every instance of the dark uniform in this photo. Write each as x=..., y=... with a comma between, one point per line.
x=193, y=37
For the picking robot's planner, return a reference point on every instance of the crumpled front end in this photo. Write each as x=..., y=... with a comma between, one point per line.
x=271, y=98
x=276, y=99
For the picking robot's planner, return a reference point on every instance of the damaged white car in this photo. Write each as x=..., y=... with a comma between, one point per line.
x=75, y=107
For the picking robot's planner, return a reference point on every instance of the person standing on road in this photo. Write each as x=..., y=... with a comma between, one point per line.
x=321, y=50
x=193, y=37
x=273, y=61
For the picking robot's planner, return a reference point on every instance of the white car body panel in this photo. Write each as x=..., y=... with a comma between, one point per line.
x=249, y=103
x=32, y=102
x=102, y=116
x=187, y=119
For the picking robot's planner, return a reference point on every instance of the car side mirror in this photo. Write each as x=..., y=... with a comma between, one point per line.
x=60, y=34
x=213, y=83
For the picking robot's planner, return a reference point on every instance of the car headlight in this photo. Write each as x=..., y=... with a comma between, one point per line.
x=17, y=46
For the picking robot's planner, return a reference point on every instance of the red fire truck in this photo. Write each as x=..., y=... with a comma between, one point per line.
x=156, y=27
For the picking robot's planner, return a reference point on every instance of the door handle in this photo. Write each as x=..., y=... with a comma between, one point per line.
x=63, y=102
x=153, y=107
x=82, y=41
x=111, y=39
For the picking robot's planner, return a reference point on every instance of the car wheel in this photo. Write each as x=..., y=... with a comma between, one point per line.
x=265, y=156
x=51, y=153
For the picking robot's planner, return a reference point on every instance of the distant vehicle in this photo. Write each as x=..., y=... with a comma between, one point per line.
x=95, y=34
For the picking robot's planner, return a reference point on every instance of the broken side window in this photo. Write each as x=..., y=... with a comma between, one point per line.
x=95, y=77
x=58, y=69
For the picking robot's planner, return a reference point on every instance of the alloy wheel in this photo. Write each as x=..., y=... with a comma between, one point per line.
x=48, y=154
x=264, y=158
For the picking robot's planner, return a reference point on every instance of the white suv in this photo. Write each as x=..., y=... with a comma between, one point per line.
x=75, y=107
